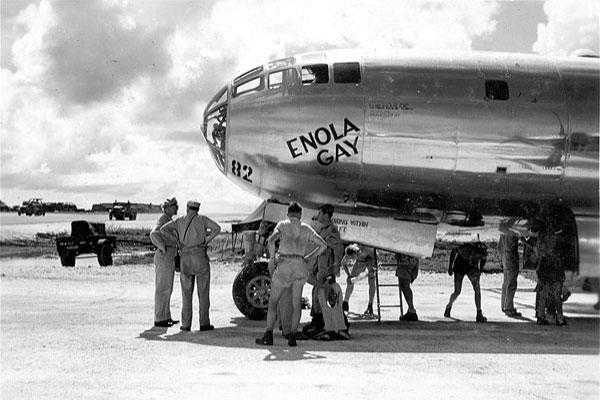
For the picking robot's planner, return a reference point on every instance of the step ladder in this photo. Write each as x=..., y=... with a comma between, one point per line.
x=379, y=305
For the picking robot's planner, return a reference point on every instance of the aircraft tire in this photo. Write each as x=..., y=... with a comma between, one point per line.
x=67, y=259
x=251, y=290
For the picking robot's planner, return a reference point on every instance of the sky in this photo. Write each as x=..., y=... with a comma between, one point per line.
x=103, y=99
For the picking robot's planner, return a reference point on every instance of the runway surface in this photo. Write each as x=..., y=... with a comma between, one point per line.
x=86, y=333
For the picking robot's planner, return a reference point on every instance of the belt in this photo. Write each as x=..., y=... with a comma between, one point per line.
x=199, y=246
x=291, y=256
x=190, y=248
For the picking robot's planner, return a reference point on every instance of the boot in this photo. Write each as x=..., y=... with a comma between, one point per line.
x=480, y=317
x=447, y=311
x=409, y=316
x=315, y=325
x=267, y=339
x=292, y=339
x=561, y=321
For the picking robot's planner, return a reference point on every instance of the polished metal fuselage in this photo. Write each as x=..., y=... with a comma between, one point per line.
x=420, y=132
x=423, y=134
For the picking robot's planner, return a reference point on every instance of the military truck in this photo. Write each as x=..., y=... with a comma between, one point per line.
x=86, y=237
x=32, y=207
x=120, y=211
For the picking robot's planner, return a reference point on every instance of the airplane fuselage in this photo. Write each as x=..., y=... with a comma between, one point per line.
x=411, y=133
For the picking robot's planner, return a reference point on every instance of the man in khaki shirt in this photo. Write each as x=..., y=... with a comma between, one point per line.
x=291, y=268
x=164, y=266
x=194, y=232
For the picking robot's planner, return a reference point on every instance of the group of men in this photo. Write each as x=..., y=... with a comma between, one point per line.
x=181, y=245
x=300, y=254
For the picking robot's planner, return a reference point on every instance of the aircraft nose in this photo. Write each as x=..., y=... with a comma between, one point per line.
x=214, y=127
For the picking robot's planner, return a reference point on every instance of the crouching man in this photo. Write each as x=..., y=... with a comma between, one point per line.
x=359, y=258
x=329, y=321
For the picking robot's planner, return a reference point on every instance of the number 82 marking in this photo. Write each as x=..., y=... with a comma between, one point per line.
x=242, y=171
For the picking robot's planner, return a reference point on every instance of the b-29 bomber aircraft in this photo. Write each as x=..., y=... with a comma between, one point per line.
x=400, y=142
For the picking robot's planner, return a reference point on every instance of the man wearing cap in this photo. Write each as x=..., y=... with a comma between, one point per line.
x=326, y=315
x=290, y=268
x=164, y=266
x=193, y=233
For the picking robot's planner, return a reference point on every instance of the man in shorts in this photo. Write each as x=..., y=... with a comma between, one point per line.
x=467, y=259
x=357, y=260
x=290, y=268
x=407, y=269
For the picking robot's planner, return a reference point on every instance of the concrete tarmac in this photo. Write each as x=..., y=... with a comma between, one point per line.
x=87, y=333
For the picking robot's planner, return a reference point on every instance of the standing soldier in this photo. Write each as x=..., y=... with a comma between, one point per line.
x=467, y=259
x=553, y=252
x=508, y=247
x=290, y=268
x=327, y=316
x=164, y=266
x=407, y=269
x=194, y=232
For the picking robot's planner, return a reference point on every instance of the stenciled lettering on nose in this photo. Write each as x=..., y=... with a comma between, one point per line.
x=345, y=146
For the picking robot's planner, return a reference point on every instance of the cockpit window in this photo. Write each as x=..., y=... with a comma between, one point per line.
x=214, y=128
x=247, y=74
x=315, y=74
x=275, y=80
x=283, y=78
x=348, y=72
x=251, y=86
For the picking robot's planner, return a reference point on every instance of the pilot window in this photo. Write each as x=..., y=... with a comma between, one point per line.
x=276, y=80
x=315, y=74
x=279, y=79
x=251, y=86
x=346, y=72
x=496, y=90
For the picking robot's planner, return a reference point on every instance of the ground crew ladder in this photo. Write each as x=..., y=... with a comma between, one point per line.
x=379, y=305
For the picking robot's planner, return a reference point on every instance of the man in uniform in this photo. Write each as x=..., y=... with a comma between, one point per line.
x=326, y=293
x=364, y=259
x=553, y=252
x=290, y=268
x=193, y=233
x=467, y=259
x=508, y=247
x=164, y=266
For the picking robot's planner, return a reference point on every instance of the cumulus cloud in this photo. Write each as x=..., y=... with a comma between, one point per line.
x=103, y=99
x=571, y=26
x=93, y=51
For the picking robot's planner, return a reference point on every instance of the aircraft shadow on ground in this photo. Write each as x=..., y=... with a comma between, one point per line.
x=443, y=336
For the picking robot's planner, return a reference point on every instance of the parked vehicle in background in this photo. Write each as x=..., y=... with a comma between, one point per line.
x=32, y=207
x=120, y=211
x=86, y=237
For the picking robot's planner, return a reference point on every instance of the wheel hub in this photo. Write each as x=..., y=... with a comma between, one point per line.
x=258, y=291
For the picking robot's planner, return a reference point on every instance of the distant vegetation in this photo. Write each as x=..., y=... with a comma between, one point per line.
x=134, y=247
